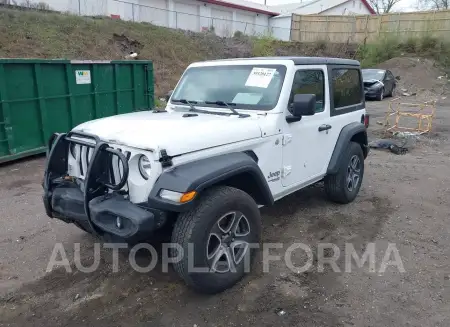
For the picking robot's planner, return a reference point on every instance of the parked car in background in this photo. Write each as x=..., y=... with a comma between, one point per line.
x=378, y=83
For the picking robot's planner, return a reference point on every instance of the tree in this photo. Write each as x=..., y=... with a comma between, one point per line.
x=383, y=6
x=434, y=4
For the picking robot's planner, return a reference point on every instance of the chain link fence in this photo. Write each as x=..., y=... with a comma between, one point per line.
x=191, y=22
x=220, y=22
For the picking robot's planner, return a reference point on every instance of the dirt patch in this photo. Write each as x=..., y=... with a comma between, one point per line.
x=126, y=45
x=418, y=75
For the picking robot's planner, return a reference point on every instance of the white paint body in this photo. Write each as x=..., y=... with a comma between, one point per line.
x=297, y=150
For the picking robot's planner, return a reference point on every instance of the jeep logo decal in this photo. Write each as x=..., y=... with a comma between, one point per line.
x=273, y=177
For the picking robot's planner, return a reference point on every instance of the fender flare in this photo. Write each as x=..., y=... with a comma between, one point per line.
x=348, y=133
x=204, y=173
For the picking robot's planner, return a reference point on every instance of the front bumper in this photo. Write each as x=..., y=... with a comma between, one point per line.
x=95, y=204
x=371, y=93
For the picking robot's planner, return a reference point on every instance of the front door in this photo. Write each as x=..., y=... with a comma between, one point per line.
x=389, y=81
x=308, y=143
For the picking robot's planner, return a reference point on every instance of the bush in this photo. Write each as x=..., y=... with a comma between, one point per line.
x=386, y=48
x=428, y=43
x=263, y=46
x=321, y=45
x=238, y=34
x=410, y=45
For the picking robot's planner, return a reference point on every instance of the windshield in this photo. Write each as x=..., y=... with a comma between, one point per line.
x=256, y=87
x=369, y=74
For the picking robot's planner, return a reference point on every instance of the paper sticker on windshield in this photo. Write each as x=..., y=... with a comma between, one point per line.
x=260, y=77
x=247, y=98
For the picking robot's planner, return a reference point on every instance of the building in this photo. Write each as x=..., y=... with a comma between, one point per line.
x=280, y=23
x=225, y=17
x=326, y=7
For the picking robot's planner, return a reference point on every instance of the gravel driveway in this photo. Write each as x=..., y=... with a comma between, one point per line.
x=404, y=200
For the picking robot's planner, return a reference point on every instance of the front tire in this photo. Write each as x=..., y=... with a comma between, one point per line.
x=343, y=187
x=217, y=237
x=380, y=96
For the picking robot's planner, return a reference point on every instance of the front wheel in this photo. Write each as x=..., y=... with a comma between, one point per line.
x=218, y=239
x=343, y=187
x=380, y=96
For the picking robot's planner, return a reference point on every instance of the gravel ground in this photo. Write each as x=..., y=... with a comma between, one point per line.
x=404, y=200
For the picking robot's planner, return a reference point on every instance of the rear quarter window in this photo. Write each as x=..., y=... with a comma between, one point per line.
x=347, y=89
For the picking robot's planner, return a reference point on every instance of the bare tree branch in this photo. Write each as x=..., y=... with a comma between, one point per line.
x=434, y=4
x=385, y=6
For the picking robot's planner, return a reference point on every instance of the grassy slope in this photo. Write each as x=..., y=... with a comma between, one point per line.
x=39, y=35
x=25, y=34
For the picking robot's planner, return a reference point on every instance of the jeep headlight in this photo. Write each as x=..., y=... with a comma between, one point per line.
x=144, y=166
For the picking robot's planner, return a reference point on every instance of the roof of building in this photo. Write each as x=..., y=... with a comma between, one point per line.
x=316, y=6
x=244, y=5
x=304, y=60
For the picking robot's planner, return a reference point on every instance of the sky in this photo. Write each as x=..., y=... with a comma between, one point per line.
x=403, y=5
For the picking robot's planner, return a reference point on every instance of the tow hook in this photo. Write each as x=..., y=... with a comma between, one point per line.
x=165, y=159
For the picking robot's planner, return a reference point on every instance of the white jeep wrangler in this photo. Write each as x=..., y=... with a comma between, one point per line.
x=235, y=135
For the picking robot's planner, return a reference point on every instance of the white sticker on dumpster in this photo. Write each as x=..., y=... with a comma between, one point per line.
x=260, y=77
x=83, y=76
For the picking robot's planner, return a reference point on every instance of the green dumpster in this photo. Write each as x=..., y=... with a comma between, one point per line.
x=40, y=97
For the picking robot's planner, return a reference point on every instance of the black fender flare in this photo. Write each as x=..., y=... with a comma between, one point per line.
x=352, y=132
x=204, y=173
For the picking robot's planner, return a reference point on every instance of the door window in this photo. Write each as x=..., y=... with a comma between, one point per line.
x=309, y=82
x=347, y=88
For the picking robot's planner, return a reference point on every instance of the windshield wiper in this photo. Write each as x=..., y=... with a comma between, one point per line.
x=193, y=108
x=229, y=106
x=189, y=103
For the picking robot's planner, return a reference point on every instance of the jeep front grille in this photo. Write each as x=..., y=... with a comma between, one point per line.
x=83, y=155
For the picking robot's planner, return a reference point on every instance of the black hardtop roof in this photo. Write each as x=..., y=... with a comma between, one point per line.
x=305, y=60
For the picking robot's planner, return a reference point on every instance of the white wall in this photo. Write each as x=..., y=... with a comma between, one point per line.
x=187, y=16
x=190, y=15
x=352, y=7
x=326, y=7
x=281, y=27
x=83, y=7
x=262, y=25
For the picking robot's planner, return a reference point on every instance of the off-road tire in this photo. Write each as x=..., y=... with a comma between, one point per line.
x=194, y=227
x=336, y=185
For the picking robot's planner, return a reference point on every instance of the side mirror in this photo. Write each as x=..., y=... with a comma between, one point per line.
x=168, y=95
x=303, y=105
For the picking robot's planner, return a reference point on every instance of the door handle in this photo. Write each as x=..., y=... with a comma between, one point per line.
x=324, y=128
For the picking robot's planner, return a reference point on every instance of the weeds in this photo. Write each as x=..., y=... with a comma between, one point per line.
x=263, y=46
x=390, y=47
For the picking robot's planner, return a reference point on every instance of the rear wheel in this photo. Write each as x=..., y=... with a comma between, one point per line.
x=217, y=238
x=343, y=187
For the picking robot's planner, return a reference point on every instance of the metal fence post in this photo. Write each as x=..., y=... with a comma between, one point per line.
x=132, y=11
x=79, y=7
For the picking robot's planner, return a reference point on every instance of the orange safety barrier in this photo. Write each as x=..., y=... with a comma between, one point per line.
x=398, y=111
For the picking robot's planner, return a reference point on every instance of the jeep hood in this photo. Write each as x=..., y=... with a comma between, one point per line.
x=171, y=131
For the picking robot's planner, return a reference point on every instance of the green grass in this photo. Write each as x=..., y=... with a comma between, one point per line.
x=263, y=46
